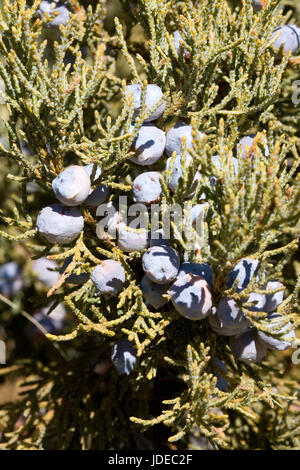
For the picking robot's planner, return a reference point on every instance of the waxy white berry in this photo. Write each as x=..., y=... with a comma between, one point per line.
x=175, y=167
x=153, y=96
x=242, y=273
x=153, y=293
x=158, y=238
x=79, y=279
x=202, y=269
x=246, y=146
x=161, y=264
x=175, y=136
x=131, y=238
x=72, y=186
x=289, y=37
x=229, y=319
x=149, y=145
x=191, y=296
x=59, y=224
x=146, y=187
x=108, y=277
x=247, y=347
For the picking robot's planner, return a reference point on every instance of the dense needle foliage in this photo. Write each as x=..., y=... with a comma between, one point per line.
x=64, y=102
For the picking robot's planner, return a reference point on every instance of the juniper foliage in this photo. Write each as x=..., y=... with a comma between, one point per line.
x=64, y=102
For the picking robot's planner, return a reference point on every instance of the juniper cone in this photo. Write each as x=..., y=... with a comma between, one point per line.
x=246, y=146
x=228, y=320
x=161, y=264
x=267, y=302
x=154, y=294
x=222, y=383
x=108, y=277
x=177, y=42
x=149, y=145
x=191, y=296
x=247, y=347
x=150, y=187
x=177, y=39
x=258, y=4
x=217, y=163
x=59, y=224
x=131, y=239
x=110, y=219
x=289, y=38
x=97, y=196
x=199, y=211
x=275, y=299
x=52, y=322
x=176, y=169
x=93, y=171
x=72, y=186
x=158, y=238
x=201, y=269
x=74, y=278
x=146, y=187
x=242, y=273
x=153, y=102
x=176, y=136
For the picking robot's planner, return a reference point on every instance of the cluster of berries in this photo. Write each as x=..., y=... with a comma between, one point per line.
x=189, y=286
x=191, y=295
x=247, y=343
